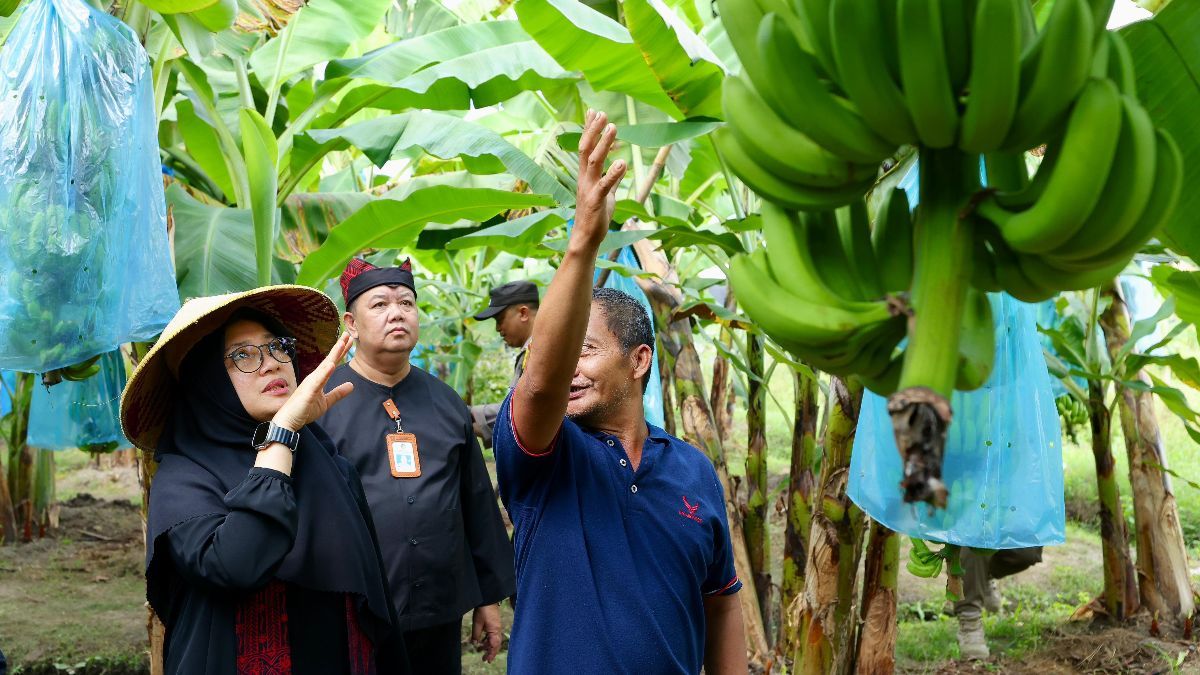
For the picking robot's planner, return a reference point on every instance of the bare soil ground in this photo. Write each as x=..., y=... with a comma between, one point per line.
x=76, y=600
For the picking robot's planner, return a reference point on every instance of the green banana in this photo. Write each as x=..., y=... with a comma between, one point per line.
x=886, y=383
x=862, y=65
x=1061, y=60
x=854, y=228
x=815, y=33
x=1007, y=171
x=977, y=344
x=865, y=352
x=82, y=370
x=1044, y=273
x=958, y=18
x=922, y=562
x=807, y=105
x=779, y=148
x=924, y=73
x=741, y=19
x=995, y=82
x=1120, y=64
x=790, y=259
x=796, y=320
x=1025, y=195
x=1077, y=180
x=775, y=189
x=831, y=260
x=1168, y=185
x=983, y=263
x=1007, y=269
x=1126, y=192
x=1100, y=59
x=892, y=241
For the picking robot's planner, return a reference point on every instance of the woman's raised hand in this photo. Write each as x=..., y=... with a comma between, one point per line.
x=310, y=400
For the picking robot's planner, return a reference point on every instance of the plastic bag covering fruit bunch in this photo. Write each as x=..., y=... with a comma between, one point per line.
x=84, y=259
x=1003, y=461
x=81, y=414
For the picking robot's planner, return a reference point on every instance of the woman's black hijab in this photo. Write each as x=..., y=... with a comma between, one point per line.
x=205, y=452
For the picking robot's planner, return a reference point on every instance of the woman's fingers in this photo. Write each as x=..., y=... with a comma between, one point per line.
x=338, y=393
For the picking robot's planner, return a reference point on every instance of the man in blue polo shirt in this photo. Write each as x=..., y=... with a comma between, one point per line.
x=623, y=558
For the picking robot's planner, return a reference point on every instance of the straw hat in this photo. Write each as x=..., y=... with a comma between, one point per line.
x=150, y=395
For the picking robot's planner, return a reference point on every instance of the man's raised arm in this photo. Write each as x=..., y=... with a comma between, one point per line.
x=540, y=398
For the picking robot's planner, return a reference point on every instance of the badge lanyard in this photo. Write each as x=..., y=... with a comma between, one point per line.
x=401, y=447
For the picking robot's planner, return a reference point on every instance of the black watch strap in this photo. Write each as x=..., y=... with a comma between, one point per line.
x=269, y=432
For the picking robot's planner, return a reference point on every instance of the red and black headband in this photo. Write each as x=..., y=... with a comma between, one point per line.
x=361, y=276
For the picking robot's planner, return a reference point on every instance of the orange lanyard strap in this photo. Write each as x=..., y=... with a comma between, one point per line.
x=394, y=413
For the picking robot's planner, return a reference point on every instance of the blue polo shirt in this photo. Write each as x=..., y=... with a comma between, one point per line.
x=612, y=565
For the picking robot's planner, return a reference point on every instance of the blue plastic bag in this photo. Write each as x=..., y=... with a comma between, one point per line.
x=84, y=259
x=1003, y=454
x=1003, y=458
x=81, y=414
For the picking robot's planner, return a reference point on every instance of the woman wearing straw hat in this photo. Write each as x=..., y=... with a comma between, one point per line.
x=261, y=555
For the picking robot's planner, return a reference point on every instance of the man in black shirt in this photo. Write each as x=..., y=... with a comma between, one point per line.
x=409, y=435
x=514, y=306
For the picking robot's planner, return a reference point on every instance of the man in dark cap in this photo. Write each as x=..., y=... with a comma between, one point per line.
x=514, y=306
x=409, y=435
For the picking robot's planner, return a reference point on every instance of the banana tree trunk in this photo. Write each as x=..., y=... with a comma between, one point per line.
x=664, y=376
x=21, y=458
x=45, y=505
x=801, y=482
x=8, y=522
x=1162, y=563
x=826, y=620
x=700, y=429
x=1120, y=592
x=758, y=541
x=722, y=392
x=877, y=636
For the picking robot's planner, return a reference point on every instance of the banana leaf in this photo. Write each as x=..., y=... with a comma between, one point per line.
x=214, y=246
x=582, y=39
x=440, y=135
x=1166, y=58
x=202, y=144
x=683, y=64
x=520, y=236
x=321, y=31
x=482, y=78
x=260, y=149
x=177, y=6
x=651, y=135
x=407, y=20
x=387, y=223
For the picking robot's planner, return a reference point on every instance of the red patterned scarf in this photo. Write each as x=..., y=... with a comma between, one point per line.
x=262, y=635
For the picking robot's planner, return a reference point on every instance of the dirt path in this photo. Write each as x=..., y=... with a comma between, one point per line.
x=77, y=596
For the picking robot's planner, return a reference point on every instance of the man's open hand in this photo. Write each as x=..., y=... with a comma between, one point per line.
x=596, y=198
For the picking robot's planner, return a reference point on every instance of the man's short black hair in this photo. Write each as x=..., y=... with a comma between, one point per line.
x=627, y=319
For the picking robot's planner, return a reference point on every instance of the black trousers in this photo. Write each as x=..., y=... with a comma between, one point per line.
x=436, y=650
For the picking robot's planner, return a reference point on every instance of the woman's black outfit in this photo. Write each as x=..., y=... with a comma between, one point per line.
x=253, y=571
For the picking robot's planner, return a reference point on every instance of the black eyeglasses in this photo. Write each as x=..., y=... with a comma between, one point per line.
x=249, y=358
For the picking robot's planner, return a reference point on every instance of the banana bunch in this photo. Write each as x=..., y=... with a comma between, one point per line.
x=75, y=373
x=811, y=116
x=829, y=288
x=923, y=562
x=1102, y=190
x=818, y=290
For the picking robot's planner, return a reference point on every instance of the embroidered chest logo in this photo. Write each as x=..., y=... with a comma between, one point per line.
x=689, y=510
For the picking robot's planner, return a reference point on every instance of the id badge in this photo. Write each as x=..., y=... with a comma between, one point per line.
x=403, y=454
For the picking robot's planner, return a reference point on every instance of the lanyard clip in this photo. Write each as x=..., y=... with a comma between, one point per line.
x=394, y=413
